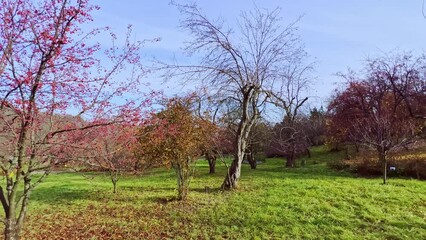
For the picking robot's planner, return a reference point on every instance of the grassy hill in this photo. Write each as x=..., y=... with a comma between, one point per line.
x=273, y=202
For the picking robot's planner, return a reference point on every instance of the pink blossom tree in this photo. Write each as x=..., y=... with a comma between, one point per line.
x=48, y=68
x=110, y=149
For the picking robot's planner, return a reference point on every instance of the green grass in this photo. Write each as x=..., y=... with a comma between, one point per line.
x=273, y=202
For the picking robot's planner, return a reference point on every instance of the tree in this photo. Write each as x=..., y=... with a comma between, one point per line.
x=49, y=69
x=259, y=138
x=239, y=67
x=289, y=140
x=405, y=74
x=376, y=109
x=174, y=137
x=109, y=148
x=315, y=126
x=217, y=142
x=289, y=97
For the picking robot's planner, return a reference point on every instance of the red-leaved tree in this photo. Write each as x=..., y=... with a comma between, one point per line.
x=382, y=109
x=174, y=137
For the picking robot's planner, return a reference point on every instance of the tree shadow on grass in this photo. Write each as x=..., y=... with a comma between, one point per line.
x=207, y=190
x=64, y=194
x=143, y=189
x=301, y=173
x=163, y=200
x=60, y=194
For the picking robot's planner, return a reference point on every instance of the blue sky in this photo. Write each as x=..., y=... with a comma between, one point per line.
x=337, y=34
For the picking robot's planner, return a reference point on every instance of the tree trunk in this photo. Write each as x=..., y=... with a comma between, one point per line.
x=234, y=172
x=303, y=162
x=14, y=216
x=137, y=166
x=114, y=183
x=182, y=186
x=12, y=225
x=251, y=160
x=385, y=171
x=11, y=230
x=211, y=158
x=181, y=194
x=247, y=120
x=183, y=173
x=383, y=160
x=291, y=160
x=212, y=165
x=114, y=180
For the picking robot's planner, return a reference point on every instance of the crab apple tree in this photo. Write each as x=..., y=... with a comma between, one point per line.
x=50, y=67
x=108, y=148
x=382, y=108
x=174, y=137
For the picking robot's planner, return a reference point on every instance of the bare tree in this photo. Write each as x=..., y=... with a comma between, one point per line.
x=240, y=66
x=259, y=139
x=290, y=98
x=289, y=140
x=405, y=74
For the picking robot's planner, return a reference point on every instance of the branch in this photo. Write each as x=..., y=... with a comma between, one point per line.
x=4, y=202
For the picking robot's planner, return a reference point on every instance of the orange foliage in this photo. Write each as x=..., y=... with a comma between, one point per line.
x=175, y=138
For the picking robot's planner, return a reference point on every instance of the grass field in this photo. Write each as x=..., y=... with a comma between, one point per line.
x=273, y=202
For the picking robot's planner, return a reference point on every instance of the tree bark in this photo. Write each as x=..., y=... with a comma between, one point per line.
x=114, y=183
x=183, y=173
x=383, y=160
x=211, y=158
x=234, y=173
x=114, y=179
x=14, y=214
x=11, y=228
x=291, y=160
x=251, y=160
x=246, y=122
x=385, y=171
x=11, y=231
x=212, y=165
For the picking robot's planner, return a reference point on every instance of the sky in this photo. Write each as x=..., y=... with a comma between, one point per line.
x=336, y=34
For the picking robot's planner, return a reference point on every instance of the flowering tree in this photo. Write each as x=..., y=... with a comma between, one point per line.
x=48, y=69
x=107, y=148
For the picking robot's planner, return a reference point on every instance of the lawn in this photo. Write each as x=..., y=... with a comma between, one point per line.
x=273, y=202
